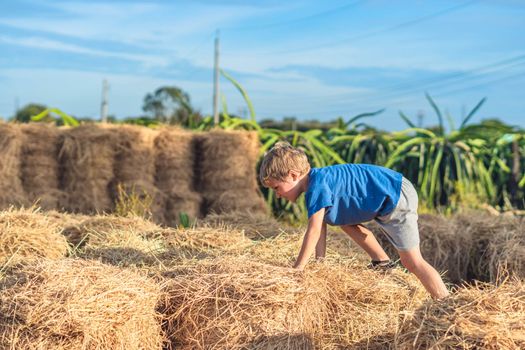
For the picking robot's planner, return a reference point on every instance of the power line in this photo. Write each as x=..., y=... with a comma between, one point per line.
x=402, y=89
x=408, y=88
x=297, y=20
x=373, y=33
x=197, y=47
x=412, y=97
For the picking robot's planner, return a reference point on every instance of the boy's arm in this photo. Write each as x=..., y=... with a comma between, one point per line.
x=320, y=248
x=313, y=233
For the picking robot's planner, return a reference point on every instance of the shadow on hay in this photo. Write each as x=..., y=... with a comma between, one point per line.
x=119, y=256
x=299, y=341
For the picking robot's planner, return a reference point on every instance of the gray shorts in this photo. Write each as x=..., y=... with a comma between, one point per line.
x=400, y=226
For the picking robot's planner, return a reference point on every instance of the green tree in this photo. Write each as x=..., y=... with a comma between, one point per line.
x=170, y=104
x=24, y=114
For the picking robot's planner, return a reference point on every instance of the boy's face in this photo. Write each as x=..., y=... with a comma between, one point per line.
x=288, y=189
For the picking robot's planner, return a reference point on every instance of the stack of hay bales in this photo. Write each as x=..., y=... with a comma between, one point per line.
x=174, y=177
x=227, y=172
x=87, y=156
x=483, y=316
x=27, y=235
x=11, y=189
x=134, y=169
x=75, y=304
x=40, y=168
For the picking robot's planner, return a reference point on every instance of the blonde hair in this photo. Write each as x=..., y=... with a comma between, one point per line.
x=279, y=160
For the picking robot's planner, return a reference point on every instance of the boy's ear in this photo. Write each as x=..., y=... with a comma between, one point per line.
x=293, y=174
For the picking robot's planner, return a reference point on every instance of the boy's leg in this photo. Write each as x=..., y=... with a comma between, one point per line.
x=428, y=276
x=366, y=240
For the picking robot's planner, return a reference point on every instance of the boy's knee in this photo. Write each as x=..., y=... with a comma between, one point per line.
x=413, y=265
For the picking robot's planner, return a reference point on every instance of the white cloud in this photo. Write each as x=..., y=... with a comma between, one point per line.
x=48, y=44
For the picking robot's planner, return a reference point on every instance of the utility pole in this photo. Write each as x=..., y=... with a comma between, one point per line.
x=216, y=82
x=104, y=104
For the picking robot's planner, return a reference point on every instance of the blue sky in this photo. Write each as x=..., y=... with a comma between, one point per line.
x=304, y=58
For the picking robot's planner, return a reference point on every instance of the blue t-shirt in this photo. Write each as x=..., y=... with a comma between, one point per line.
x=352, y=193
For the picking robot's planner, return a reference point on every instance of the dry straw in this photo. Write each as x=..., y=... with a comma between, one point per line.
x=87, y=157
x=256, y=225
x=499, y=245
x=201, y=243
x=175, y=165
x=483, y=316
x=39, y=165
x=134, y=168
x=226, y=171
x=27, y=234
x=78, y=233
x=234, y=303
x=75, y=304
x=470, y=246
x=11, y=189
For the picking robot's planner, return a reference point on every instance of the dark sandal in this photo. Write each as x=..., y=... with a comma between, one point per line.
x=381, y=264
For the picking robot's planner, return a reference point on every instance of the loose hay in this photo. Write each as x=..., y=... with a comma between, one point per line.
x=27, y=234
x=483, y=316
x=74, y=304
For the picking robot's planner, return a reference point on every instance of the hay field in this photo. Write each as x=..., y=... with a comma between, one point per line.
x=107, y=282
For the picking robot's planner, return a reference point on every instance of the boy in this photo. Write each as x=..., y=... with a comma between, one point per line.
x=346, y=195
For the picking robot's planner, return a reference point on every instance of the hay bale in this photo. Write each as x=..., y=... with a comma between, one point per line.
x=255, y=225
x=11, y=189
x=174, y=160
x=235, y=303
x=134, y=168
x=188, y=203
x=201, y=243
x=93, y=229
x=129, y=241
x=39, y=165
x=482, y=316
x=86, y=158
x=174, y=176
x=227, y=171
x=74, y=304
x=235, y=200
x=366, y=307
x=28, y=234
x=228, y=160
x=499, y=245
